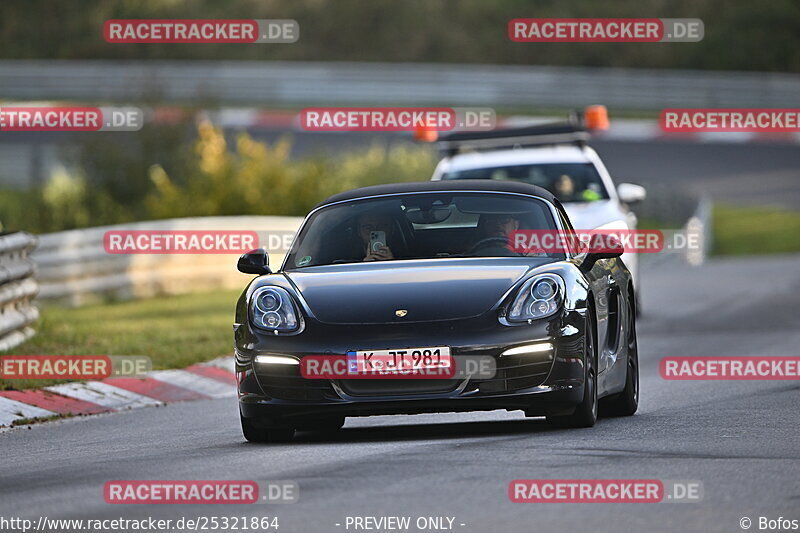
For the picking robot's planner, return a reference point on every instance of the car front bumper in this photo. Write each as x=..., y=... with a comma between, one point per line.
x=543, y=383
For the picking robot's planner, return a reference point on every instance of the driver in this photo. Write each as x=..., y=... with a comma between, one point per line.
x=564, y=188
x=375, y=221
x=494, y=234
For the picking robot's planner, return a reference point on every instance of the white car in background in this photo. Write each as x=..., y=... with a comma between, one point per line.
x=561, y=163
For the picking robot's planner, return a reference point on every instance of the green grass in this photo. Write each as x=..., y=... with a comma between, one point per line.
x=174, y=331
x=39, y=419
x=755, y=230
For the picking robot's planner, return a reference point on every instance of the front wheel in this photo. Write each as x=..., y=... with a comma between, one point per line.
x=585, y=414
x=626, y=402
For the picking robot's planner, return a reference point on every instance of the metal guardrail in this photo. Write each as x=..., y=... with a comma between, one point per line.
x=75, y=269
x=343, y=83
x=17, y=289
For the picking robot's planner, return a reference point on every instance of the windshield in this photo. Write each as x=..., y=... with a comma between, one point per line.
x=418, y=226
x=569, y=182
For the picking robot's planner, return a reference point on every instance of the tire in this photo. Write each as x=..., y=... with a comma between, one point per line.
x=256, y=434
x=585, y=414
x=626, y=402
x=638, y=297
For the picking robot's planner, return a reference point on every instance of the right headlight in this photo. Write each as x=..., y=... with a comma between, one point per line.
x=272, y=308
x=539, y=297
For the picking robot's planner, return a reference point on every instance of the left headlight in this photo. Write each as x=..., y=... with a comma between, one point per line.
x=540, y=297
x=272, y=308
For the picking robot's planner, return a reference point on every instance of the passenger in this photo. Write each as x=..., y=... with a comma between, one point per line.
x=375, y=221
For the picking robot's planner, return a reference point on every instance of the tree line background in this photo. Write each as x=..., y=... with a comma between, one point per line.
x=739, y=34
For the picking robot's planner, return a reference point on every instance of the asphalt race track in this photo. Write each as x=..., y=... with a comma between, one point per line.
x=756, y=173
x=738, y=438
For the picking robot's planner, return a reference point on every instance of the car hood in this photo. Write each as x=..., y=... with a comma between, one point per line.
x=590, y=215
x=439, y=289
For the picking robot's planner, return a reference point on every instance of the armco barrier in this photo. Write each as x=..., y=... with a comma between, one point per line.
x=74, y=267
x=286, y=83
x=17, y=289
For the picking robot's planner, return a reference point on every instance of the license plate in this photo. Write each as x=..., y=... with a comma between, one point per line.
x=400, y=361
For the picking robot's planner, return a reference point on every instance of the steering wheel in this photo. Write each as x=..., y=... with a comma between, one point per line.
x=486, y=242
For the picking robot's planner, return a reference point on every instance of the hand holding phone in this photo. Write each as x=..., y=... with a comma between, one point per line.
x=377, y=240
x=378, y=250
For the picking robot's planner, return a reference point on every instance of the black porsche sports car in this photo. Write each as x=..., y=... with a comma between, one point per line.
x=422, y=274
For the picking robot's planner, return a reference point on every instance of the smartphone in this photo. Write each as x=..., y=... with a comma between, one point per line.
x=377, y=240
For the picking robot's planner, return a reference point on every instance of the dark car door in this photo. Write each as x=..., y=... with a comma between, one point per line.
x=602, y=284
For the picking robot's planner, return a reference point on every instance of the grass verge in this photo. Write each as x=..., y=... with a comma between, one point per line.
x=174, y=331
x=38, y=420
x=755, y=230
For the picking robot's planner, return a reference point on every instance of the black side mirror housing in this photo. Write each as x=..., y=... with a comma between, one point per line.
x=613, y=248
x=594, y=257
x=254, y=262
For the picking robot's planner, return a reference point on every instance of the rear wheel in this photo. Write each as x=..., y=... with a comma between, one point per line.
x=626, y=402
x=254, y=433
x=585, y=414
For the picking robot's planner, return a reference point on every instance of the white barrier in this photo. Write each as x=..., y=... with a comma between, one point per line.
x=17, y=289
x=700, y=226
x=74, y=267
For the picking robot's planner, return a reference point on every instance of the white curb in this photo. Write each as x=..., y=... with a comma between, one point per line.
x=195, y=382
x=11, y=410
x=104, y=394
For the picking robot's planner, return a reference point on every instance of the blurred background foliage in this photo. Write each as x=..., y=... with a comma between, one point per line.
x=171, y=171
x=739, y=34
x=251, y=178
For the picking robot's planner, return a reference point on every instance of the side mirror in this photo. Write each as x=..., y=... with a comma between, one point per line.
x=611, y=249
x=254, y=262
x=631, y=193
